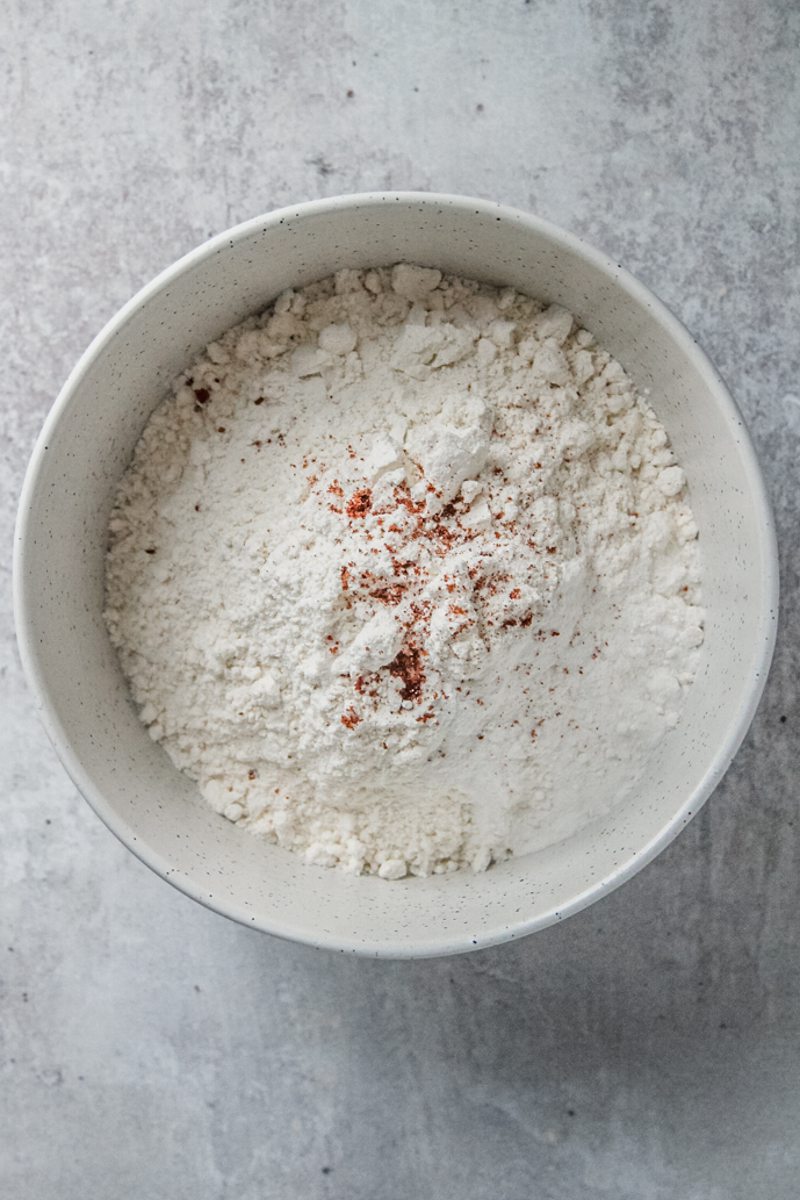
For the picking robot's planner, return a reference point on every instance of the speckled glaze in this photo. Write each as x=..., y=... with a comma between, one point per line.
x=60, y=541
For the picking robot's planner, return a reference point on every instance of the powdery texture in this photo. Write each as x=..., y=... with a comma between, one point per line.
x=404, y=575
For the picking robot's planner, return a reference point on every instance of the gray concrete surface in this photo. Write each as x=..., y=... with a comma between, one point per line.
x=650, y=1047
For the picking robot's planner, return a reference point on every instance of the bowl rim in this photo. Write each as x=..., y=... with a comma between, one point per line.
x=767, y=583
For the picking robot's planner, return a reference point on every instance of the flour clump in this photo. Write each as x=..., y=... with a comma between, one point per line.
x=383, y=558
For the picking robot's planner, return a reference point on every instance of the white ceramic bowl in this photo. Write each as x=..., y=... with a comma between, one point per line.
x=61, y=536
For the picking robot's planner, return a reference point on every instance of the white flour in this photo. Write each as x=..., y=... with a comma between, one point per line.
x=404, y=575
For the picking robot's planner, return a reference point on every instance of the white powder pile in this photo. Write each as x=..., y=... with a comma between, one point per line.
x=404, y=574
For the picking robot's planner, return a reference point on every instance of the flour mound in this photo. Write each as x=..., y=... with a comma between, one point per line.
x=382, y=559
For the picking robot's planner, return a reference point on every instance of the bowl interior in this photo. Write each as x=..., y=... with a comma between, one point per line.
x=88, y=442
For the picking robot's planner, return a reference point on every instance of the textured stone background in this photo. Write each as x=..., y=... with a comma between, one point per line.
x=650, y=1047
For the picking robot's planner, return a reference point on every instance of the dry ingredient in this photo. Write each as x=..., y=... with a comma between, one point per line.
x=403, y=573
